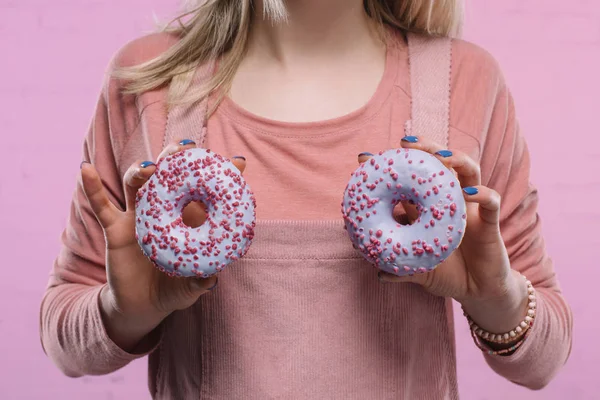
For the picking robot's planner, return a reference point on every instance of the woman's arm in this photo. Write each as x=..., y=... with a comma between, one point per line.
x=505, y=166
x=72, y=329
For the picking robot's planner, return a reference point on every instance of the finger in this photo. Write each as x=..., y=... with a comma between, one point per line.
x=420, y=143
x=467, y=170
x=488, y=200
x=418, y=278
x=239, y=162
x=411, y=211
x=104, y=210
x=201, y=285
x=173, y=148
x=134, y=179
x=194, y=214
x=363, y=157
x=405, y=212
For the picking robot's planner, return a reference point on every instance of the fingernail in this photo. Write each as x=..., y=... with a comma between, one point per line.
x=241, y=157
x=470, y=190
x=83, y=162
x=366, y=153
x=146, y=164
x=444, y=153
x=185, y=142
x=213, y=286
x=410, y=139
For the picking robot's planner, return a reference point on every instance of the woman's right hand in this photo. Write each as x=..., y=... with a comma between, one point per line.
x=139, y=296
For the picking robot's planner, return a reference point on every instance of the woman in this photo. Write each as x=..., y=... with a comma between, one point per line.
x=302, y=315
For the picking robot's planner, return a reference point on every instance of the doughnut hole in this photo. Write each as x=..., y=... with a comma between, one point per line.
x=194, y=214
x=405, y=212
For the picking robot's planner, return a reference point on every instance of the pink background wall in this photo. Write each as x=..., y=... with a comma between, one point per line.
x=54, y=54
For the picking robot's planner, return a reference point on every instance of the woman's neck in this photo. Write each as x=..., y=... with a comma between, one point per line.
x=315, y=29
x=325, y=61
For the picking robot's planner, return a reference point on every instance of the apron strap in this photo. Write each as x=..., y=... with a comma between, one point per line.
x=190, y=119
x=430, y=70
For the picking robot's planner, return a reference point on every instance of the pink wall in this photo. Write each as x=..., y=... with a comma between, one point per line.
x=54, y=56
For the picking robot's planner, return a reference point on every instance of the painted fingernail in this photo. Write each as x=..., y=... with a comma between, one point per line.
x=213, y=286
x=410, y=139
x=366, y=154
x=146, y=164
x=470, y=190
x=240, y=157
x=444, y=153
x=185, y=142
x=83, y=162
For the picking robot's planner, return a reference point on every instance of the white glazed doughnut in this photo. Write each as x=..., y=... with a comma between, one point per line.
x=195, y=175
x=388, y=178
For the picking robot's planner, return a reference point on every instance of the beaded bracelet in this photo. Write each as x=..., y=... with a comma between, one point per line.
x=499, y=352
x=515, y=333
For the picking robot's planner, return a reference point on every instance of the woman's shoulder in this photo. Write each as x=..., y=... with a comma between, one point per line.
x=125, y=121
x=476, y=62
x=477, y=84
x=143, y=48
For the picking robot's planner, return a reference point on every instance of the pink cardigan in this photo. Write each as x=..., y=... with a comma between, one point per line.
x=302, y=316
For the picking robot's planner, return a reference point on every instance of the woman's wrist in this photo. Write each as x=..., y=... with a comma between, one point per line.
x=504, y=313
x=129, y=332
x=499, y=341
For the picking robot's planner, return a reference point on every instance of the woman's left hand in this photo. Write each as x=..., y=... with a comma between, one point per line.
x=478, y=274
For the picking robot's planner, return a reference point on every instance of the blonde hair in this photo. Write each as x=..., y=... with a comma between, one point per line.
x=211, y=29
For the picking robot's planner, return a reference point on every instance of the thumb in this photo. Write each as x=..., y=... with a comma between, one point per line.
x=104, y=210
x=201, y=286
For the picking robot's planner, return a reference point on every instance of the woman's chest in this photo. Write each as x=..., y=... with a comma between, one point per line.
x=302, y=173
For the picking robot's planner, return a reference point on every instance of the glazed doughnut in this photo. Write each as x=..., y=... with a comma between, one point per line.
x=195, y=175
x=394, y=176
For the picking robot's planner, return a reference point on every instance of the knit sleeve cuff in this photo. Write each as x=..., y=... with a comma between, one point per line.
x=525, y=354
x=113, y=353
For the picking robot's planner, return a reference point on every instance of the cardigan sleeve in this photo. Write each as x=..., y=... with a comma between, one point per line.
x=505, y=165
x=71, y=327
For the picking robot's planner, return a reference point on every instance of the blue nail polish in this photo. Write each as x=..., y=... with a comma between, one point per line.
x=470, y=190
x=83, y=162
x=185, y=142
x=366, y=153
x=146, y=164
x=444, y=153
x=410, y=139
x=213, y=286
x=242, y=157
